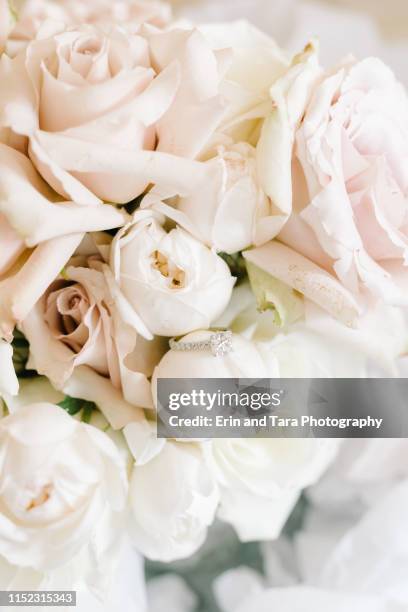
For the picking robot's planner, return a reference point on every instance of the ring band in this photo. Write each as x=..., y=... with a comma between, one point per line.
x=219, y=343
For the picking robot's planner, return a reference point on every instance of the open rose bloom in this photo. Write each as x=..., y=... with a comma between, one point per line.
x=178, y=202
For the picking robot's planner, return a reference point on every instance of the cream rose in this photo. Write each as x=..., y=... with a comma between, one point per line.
x=76, y=324
x=85, y=89
x=246, y=90
x=350, y=219
x=172, y=281
x=230, y=207
x=173, y=499
x=231, y=212
x=261, y=480
x=126, y=111
x=59, y=480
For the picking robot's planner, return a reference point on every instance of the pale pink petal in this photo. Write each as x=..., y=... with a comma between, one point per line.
x=27, y=203
x=48, y=356
x=145, y=109
x=90, y=386
x=306, y=277
x=290, y=95
x=11, y=245
x=198, y=107
x=124, y=309
x=65, y=106
x=299, y=236
x=137, y=359
x=18, y=104
x=127, y=128
x=380, y=216
x=6, y=23
x=19, y=293
x=128, y=169
x=61, y=181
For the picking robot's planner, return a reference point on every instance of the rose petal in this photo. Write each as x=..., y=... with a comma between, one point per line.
x=12, y=246
x=198, y=107
x=127, y=168
x=8, y=379
x=304, y=276
x=290, y=96
x=19, y=293
x=90, y=386
x=256, y=518
x=43, y=219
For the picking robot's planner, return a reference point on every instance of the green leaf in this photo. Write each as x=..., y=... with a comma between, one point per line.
x=87, y=411
x=72, y=405
x=236, y=264
x=20, y=355
x=272, y=294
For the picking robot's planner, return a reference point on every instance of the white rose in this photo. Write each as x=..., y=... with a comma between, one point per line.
x=245, y=90
x=60, y=480
x=228, y=206
x=173, y=282
x=173, y=498
x=261, y=479
x=231, y=212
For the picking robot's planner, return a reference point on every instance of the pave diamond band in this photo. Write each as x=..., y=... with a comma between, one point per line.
x=219, y=343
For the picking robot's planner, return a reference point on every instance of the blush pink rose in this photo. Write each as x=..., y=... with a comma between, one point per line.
x=76, y=325
x=351, y=204
x=109, y=113
x=344, y=177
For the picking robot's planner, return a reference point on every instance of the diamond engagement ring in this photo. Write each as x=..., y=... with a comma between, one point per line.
x=219, y=343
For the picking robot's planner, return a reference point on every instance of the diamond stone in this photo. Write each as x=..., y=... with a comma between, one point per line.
x=221, y=343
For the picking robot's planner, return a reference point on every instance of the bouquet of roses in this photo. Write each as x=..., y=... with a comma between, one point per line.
x=159, y=181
